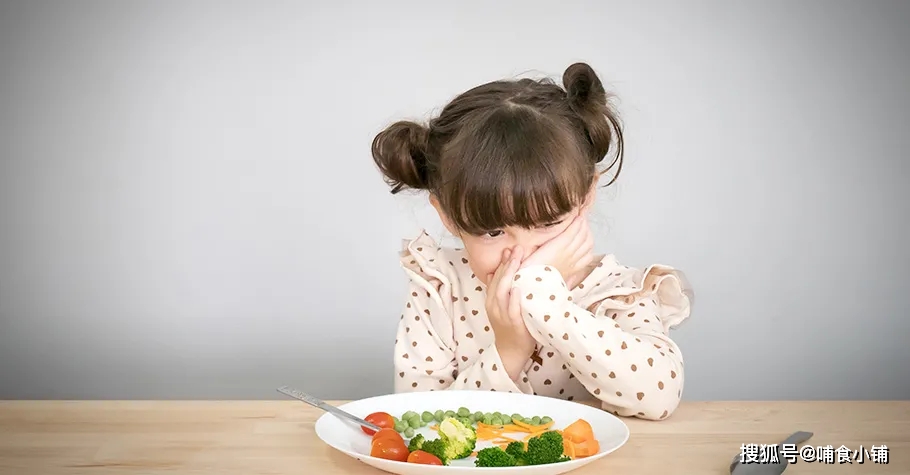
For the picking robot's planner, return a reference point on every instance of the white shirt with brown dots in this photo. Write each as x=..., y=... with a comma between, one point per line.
x=605, y=340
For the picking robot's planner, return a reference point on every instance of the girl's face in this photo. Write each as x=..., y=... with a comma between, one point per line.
x=485, y=251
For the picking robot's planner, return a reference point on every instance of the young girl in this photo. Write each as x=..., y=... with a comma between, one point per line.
x=511, y=168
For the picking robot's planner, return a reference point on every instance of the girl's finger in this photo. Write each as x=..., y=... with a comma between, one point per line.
x=571, y=232
x=560, y=242
x=497, y=274
x=493, y=286
x=578, y=239
x=505, y=282
x=585, y=246
x=515, y=309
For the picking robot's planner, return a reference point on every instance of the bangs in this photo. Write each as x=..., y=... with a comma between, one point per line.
x=517, y=169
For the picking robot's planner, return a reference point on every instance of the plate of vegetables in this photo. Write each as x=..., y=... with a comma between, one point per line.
x=476, y=431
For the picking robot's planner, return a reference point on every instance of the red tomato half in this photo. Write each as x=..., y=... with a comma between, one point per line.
x=425, y=458
x=389, y=449
x=387, y=433
x=381, y=419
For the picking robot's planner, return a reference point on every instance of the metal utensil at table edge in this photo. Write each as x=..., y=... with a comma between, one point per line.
x=316, y=402
x=737, y=467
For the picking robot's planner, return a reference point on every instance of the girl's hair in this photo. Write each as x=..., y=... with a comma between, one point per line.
x=509, y=152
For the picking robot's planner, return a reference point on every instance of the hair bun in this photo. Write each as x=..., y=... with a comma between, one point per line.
x=586, y=96
x=583, y=86
x=400, y=152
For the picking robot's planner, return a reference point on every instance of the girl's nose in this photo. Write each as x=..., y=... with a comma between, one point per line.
x=527, y=248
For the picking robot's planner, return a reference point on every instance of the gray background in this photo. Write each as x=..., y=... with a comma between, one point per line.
x=189, y=209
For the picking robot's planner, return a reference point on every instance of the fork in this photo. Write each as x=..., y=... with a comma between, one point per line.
x=319, y=403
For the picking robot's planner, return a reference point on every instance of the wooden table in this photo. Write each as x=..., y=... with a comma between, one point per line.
x=277, y=437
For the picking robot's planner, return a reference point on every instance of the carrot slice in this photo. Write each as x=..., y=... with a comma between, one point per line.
x=523, y=425
x=513, y=428
x=578, y=431
x=587, y=448
x=568, y=448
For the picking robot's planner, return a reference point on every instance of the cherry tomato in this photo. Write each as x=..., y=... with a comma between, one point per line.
x=425, y=458
x=387, y=433
x=389, y=449
x=381, y=419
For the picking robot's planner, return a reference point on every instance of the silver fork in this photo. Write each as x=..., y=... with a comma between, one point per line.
x=316, y=402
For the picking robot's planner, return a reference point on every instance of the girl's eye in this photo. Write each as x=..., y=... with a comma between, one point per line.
x=550, y=225
x=494, y=233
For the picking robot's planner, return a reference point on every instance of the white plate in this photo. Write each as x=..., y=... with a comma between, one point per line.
x=349, y=439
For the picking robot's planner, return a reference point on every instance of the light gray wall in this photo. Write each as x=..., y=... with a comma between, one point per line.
x=186, y=190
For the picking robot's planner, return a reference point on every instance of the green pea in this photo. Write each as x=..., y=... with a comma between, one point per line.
x=516, y=416
x=478, y=416
x=409, y=433
x=497, y=414
x=450, y=414
x=463, y=412
x=427, y=416
x=545, y=420
x=488, y=419
x=497, y=421
x=439, y=416
x=535, y=420
x=414, y=422
x=526, y=420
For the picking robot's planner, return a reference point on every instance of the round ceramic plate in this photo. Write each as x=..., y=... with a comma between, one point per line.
x=348, y=438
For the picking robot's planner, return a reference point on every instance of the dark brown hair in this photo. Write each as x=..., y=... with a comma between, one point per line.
x=507, y=153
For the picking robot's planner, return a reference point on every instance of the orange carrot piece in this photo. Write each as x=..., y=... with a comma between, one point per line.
x=587, y=448
x=513, y=428
x=568, y=448
x=578, y=431
x=522, y=424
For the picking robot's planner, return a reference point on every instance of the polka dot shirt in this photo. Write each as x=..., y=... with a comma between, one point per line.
x=605, y=340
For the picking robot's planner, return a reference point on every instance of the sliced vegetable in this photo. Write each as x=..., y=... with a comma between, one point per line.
x=389, y=449
x=381, y=419
x=578, y=431
x=387, y=433
x=425, y=458
x=586, y=449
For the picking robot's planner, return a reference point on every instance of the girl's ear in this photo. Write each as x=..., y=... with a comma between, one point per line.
x=442, y=215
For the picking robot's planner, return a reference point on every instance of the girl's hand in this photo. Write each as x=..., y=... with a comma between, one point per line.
x=570, y=252
x=514, y=342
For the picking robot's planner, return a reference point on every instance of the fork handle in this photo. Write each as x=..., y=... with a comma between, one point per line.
x=319, y=403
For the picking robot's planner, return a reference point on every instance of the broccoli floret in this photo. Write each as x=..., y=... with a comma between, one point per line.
x=546, y=448
x=460, y=439
x=438, y=448
x=456, y=441
x=416, y=443
x=494, y=457
x=517, y=451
